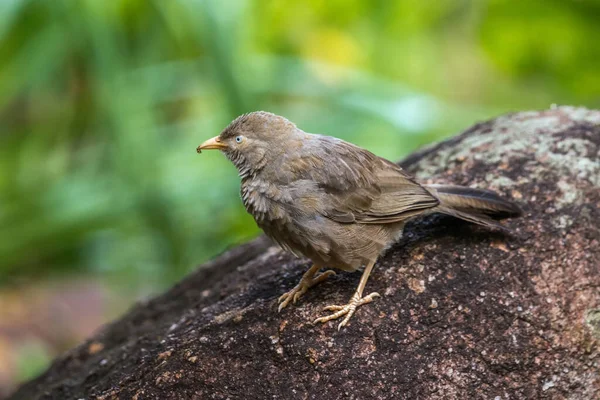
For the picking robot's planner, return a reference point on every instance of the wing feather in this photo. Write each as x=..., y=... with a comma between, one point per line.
x=361, y=187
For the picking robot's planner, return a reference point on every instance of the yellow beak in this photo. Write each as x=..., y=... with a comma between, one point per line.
x=212, y=144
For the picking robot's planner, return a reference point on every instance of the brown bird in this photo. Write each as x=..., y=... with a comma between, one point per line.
x=333, y=202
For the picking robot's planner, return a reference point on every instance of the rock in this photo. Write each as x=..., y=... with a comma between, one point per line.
x=466, y=313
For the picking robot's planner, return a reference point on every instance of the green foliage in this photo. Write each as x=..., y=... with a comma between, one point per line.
x=32, y=358
x=102, y=104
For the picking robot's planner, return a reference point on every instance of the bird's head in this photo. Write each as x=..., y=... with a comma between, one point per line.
x=253, y=140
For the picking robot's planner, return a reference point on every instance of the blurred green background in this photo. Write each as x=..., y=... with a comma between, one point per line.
x=103, y=199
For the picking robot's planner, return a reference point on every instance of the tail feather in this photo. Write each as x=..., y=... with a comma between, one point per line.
x=479, y=206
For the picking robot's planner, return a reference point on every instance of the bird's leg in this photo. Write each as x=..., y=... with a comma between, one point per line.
x=308, y=280
x=356, y=301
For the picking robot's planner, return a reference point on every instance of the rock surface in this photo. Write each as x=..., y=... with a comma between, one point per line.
x=465, y=313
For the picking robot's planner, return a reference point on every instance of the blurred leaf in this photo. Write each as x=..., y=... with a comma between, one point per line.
x=32, y=359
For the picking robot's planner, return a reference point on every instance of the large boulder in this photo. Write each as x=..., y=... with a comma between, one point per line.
x=465, y=313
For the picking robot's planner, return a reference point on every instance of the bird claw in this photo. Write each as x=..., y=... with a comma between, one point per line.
x=333, y=308
x=347, y=310
x=302, y=287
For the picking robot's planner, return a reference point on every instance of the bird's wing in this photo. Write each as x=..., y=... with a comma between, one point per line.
x=401, y=197
x=360, y=187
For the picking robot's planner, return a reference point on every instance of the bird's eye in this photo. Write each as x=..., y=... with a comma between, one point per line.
x=239, y=139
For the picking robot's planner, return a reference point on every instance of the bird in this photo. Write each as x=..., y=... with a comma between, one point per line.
x=335, y=203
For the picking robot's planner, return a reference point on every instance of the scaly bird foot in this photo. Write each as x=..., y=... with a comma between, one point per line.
x=301, y=288
x=347, y=310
